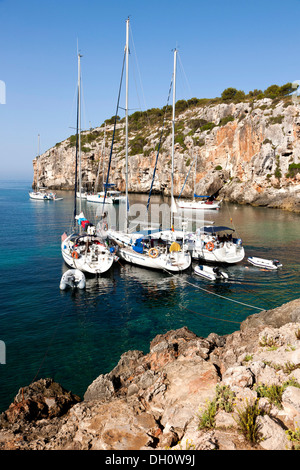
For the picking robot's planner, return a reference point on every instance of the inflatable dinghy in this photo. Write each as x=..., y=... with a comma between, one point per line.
x=210, y=273
x=72, y=278
x=264, y=263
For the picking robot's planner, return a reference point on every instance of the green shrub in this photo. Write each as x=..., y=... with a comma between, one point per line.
x=276, y=119
x=294, y=169
x=272, y=91
x=208, y=126
x=112, y=120
x=137, y=144
x=225, y=120
x=195, y=124
x=247, y=422
x=179, y=139
x=272, y=392
x=233, y=95
x=207, y=419
x=294, y=437
x=223, y=401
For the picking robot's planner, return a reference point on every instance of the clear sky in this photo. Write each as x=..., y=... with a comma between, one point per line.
x=245, y=45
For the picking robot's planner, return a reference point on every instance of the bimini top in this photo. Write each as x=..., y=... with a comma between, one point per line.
x=212, y=229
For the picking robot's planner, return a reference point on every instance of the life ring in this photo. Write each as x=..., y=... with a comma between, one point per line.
x=75, y=254
x=153, y=252
x=209, y=246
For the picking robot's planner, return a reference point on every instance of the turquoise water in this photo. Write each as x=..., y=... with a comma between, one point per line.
x=75, y=336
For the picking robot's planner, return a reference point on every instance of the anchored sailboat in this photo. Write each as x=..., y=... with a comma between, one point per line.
x=111, y=196
x=40, y=194
x=206, y=202
x=83, y=249
x=149, y=251
x=206, y=243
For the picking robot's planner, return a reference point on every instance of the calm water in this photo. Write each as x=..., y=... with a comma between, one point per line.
x=74, y=337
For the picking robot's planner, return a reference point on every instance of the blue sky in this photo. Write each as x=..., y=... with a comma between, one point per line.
x=245, y=45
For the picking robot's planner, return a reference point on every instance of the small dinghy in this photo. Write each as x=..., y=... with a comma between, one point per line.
x=72, y=278
x=210, y=273
x=264, y=263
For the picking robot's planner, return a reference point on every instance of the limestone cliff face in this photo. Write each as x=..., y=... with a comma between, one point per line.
x=249, y=151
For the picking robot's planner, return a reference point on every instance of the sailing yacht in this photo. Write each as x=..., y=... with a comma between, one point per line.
x=149, y=251
x=40, y=194
x=208, y=243
x=83, y=249
x=199, y=202
x=216, y=244
x=107, y=195
x=207, y=204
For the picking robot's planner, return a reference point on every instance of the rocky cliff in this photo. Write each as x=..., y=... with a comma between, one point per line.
x=240, y=391
x=249, y=151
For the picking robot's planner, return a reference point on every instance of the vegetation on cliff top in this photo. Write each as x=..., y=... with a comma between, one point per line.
x=140, y=119
x=153, y=119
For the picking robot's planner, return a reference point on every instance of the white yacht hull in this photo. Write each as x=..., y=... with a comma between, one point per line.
x=96, y=260
x=229, y=253
x=199, y=205
x=82, y=195
x=176, y=261
x=99, y=198
x=38, y=196
x=173, y=262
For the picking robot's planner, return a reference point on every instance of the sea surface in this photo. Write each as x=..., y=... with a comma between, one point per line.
x=73, y=337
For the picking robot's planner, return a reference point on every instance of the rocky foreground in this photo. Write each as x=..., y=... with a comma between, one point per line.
x=240, y=391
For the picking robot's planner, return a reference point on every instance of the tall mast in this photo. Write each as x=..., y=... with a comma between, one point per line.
x=126, y=120
x=79, y=126
x=38, y=164
x=173, y=137
x=103, y=157
x=195, y=175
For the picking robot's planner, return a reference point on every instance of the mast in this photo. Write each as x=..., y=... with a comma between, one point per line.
x=173, y=138
x=79, y=127
x=103, y=157
x=195, y=175
x=126, y=120
x=38, y=164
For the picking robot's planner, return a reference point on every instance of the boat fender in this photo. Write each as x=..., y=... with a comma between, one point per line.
x=209, y=246
x=153, y=252
x=75, y=254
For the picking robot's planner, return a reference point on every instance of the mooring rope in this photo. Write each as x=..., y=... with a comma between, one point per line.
x=208, y=292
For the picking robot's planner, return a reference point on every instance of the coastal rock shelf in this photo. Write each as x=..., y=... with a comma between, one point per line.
x=248, y=151
x=158, y=400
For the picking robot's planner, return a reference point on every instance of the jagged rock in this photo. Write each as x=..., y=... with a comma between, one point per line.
x=273, y=435
x=42, y=399
x=155, y=400
x=287, y=313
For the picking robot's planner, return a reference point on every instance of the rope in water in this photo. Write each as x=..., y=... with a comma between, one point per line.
x=213, y=293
